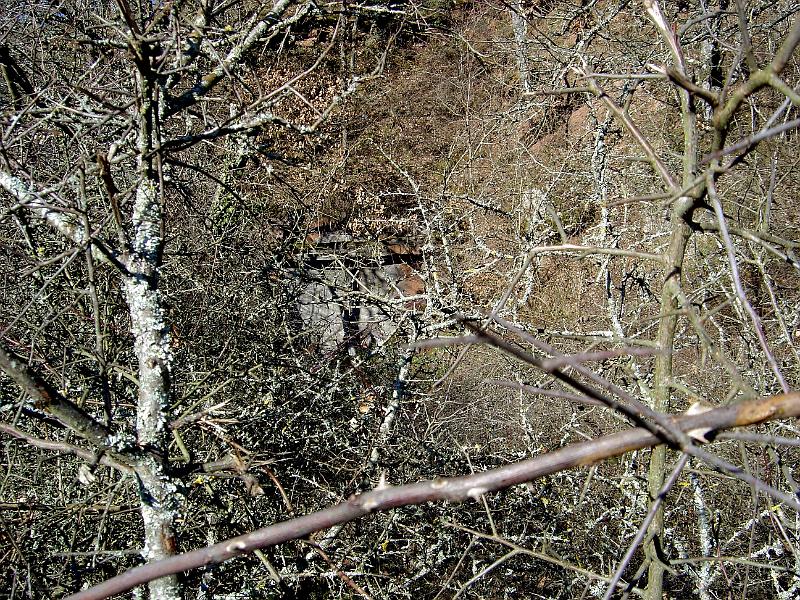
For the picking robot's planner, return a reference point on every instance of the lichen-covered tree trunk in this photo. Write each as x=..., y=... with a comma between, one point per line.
x=151, y=342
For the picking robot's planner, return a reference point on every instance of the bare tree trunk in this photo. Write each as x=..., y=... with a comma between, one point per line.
x=661, y=393
x=681, y=213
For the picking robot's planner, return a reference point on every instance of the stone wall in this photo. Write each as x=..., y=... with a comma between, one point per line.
x=352, y=291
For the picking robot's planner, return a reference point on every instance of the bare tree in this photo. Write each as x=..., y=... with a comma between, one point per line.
x=604, y=184
x=113, y=109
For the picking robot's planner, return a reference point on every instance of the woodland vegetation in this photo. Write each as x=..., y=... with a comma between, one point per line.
x=396, y=299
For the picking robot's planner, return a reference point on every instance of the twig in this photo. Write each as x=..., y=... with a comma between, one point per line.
x=770, y=440
x=586, y=250
x=544, y=392
x=65, y=448
x=348, y=581
x=737, y=283
x=751, y=141
x=537, y=555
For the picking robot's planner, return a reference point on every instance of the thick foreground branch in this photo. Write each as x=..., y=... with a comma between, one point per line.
x=454, y=489
x=47, y=398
